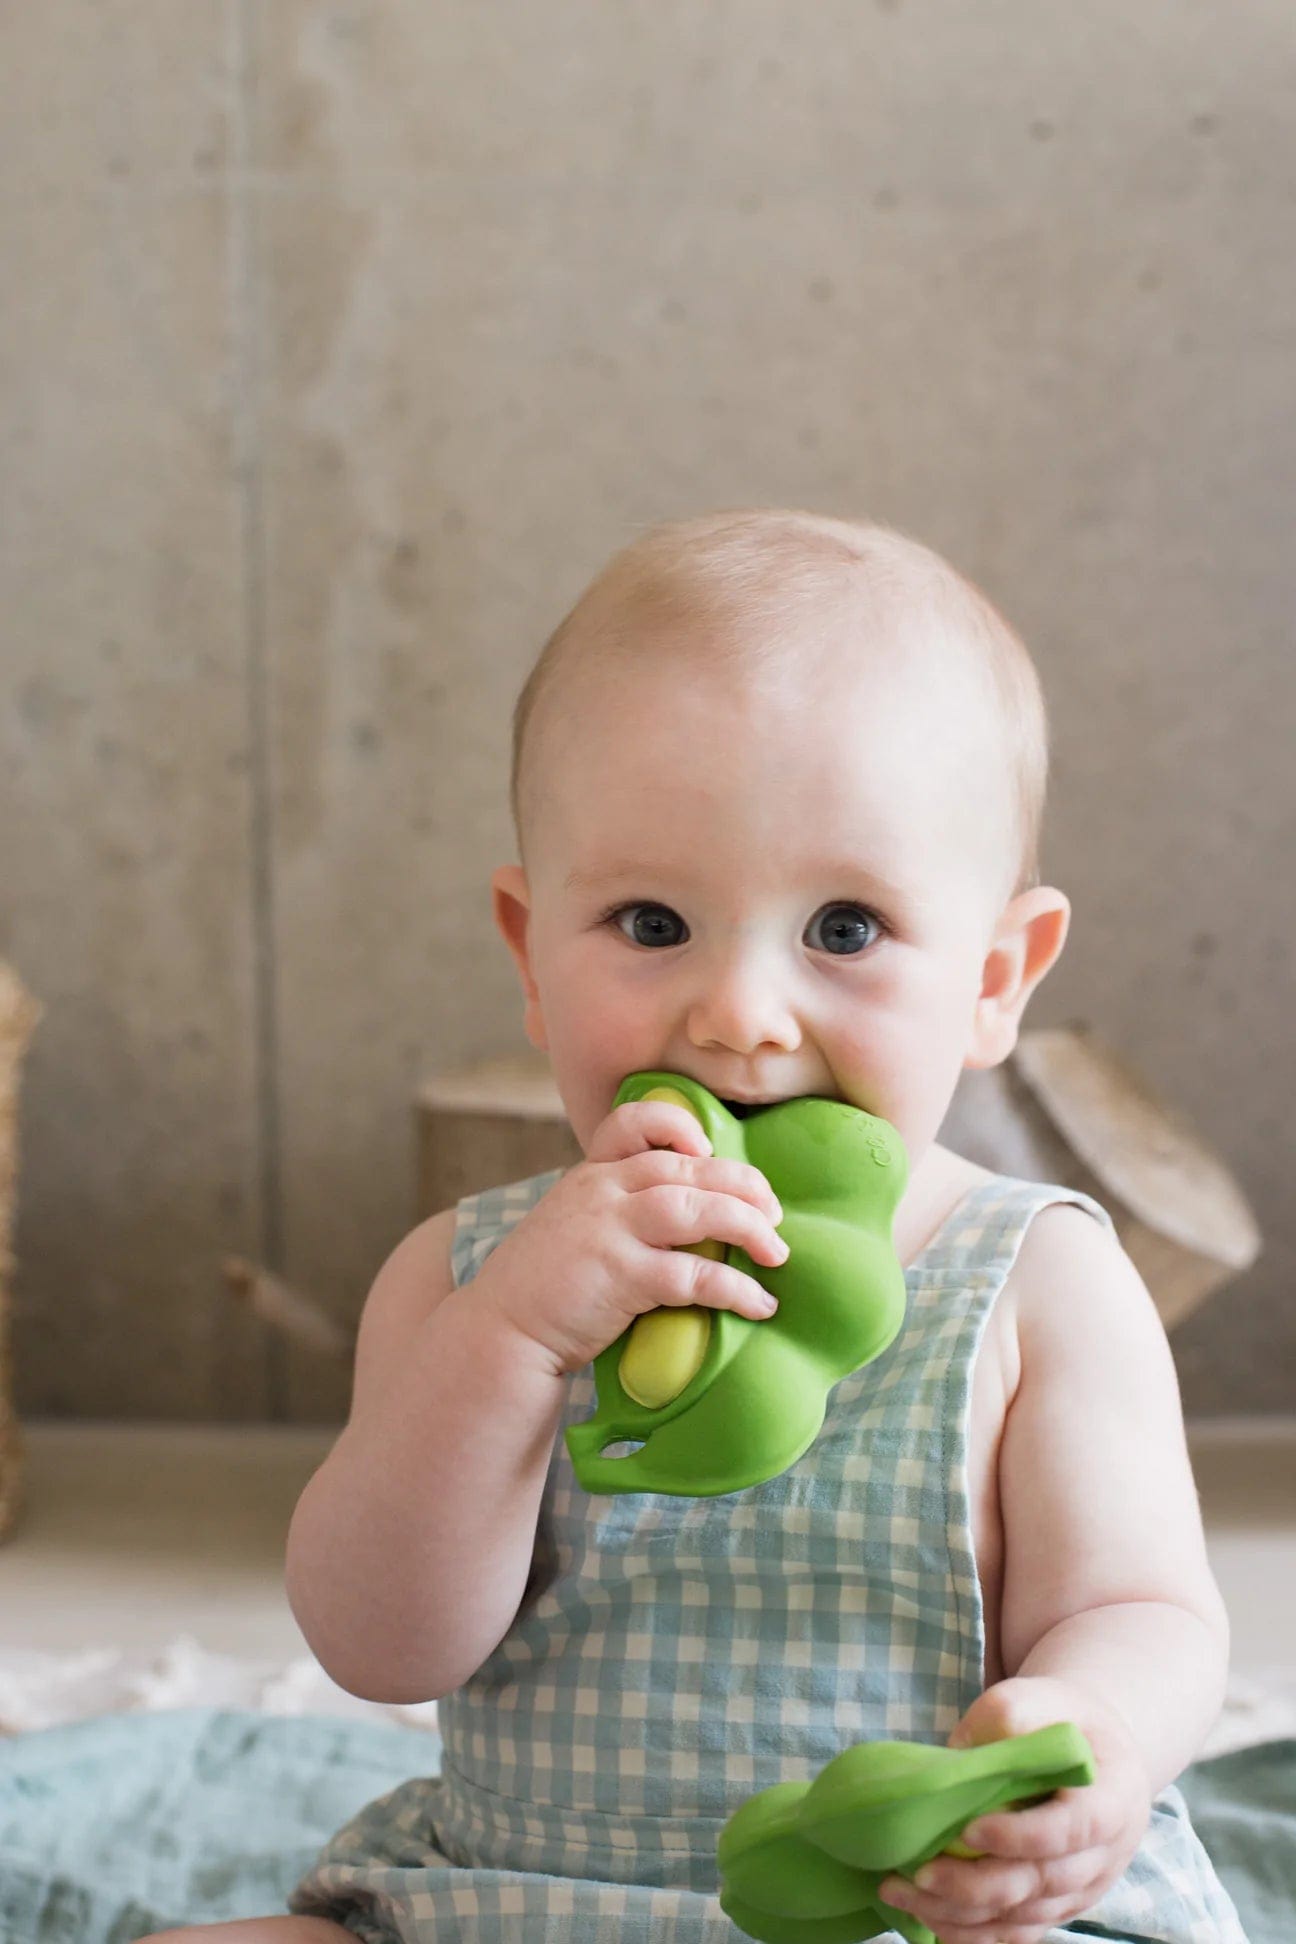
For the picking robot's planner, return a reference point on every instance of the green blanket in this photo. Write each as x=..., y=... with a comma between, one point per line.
x=131, y=1823
x=1243, y=1807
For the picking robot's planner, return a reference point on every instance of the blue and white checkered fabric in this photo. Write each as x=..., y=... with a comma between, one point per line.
x=673, y=1655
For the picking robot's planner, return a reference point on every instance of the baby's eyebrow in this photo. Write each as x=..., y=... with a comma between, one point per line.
x=846, y=874
x=606, y=874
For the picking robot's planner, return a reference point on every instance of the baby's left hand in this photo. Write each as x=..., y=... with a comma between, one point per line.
x=1045, y=1865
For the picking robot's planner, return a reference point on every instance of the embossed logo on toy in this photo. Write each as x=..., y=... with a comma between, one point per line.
x=881, y=1151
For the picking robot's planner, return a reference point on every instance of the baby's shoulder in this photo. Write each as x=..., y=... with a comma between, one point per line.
x=1065, y=1238
x=1072, y=1284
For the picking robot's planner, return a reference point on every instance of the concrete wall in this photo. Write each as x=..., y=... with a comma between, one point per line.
x=342, y=342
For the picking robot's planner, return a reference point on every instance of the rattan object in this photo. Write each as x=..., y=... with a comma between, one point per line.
x=19, y=1013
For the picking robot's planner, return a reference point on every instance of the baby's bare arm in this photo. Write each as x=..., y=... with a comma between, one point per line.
x=1106, y=1580
x=1110, y=1615
x=409, y=1549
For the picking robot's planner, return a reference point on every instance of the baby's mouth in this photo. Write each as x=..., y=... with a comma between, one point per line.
x=743, y=1109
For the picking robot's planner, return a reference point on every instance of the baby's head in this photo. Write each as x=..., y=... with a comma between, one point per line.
x=777, y=782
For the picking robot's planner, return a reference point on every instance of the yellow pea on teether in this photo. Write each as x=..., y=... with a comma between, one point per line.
x=956, y=1848
x=664, y=1354
x=665, y=1347
x=673, y=1098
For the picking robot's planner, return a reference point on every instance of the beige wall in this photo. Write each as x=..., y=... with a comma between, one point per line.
x=340, y=345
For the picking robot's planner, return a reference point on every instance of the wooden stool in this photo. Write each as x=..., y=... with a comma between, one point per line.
x=483, y=1125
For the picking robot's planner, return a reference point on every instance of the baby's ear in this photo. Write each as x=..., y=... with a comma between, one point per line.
x=1027, y=942
x=511, y=902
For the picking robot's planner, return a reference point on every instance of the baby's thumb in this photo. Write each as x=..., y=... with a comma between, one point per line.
x=1012, y=1707
x=989, y=1719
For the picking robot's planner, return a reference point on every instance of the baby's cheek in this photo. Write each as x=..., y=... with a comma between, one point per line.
x=888, y=1077
x=589, y=1069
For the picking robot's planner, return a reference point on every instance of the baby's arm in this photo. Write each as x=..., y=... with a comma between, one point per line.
x=1106, y=1578
x=409, y=1549
x=1110, y=1615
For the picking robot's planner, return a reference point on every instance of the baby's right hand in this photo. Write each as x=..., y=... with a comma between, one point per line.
x=611, y=1238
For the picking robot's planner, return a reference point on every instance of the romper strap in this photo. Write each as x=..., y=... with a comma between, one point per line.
x=982, y=1236
x=482, y=1220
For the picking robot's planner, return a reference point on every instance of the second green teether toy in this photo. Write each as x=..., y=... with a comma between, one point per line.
x=801, y=1862
x=717, y=1401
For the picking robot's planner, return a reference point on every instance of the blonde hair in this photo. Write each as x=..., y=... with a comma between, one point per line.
x=740, y=585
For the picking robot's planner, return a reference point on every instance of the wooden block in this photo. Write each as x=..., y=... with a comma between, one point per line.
x=483, y=1125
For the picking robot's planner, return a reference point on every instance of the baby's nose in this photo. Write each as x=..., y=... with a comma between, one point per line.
x=740, y=1005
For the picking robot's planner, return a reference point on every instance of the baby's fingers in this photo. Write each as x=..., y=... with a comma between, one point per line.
x=693, y=1279
x=1039, y=1915
x=676, y=1215
x=948, y=1890
x=640, y=1126
x=999, y=1930
x=1071, y=1821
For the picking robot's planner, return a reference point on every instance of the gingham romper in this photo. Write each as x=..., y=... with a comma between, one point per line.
x=672, y=1655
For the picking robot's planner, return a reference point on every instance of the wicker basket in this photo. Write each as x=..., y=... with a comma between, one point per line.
x=19, y=1013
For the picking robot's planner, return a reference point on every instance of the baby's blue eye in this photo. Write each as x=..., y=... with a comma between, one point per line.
x=650, y=924
x=847, y=929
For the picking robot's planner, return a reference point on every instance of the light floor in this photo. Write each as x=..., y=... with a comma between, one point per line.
x=134, y=1534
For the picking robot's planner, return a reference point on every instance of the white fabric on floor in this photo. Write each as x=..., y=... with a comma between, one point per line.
x=40, y=1690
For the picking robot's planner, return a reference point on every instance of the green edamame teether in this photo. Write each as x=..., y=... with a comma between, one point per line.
x=718, y=1401
x=801, y=1863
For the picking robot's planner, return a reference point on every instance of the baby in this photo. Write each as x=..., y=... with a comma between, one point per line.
x=778, y=781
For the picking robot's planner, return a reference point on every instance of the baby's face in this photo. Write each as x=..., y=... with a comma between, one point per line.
x=777, y=890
